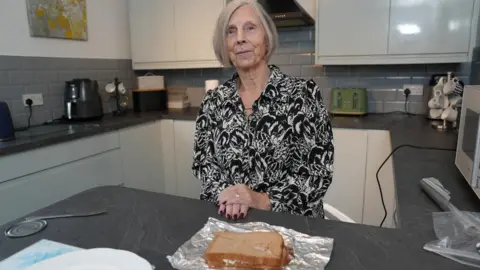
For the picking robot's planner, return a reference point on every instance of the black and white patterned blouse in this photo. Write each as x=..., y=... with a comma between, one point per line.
x=284, y=148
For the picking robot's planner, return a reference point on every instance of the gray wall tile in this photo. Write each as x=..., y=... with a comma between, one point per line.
x=37, y=89
x=382, y=94
x=8, y=62
x=294, y=55
x=11, y=92
x=45, y=75
x=4, y=80
x=301, y=59
x=375, y=106
x=280, y=59
x=21, y=77
x=322, y=82
x=287, y=48
x=293, y=70
x=66, y=75
x=311, y=71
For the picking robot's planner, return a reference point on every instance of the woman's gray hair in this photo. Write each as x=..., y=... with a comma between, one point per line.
x=220, y=34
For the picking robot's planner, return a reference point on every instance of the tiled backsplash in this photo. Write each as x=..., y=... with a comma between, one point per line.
x=23, y=75
x=295, y=56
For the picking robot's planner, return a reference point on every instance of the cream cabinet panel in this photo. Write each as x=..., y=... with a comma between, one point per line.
x=23, y=195
x=194, y=37
x=141, y=151
x=379, y=147
x=167, y=138
x=152, y=31
x=352, y=27
x=430, y=26
x=165, y=35
x=346, y=193
x=187, y=184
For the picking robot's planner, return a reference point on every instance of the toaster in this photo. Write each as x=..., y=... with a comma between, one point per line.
x=349, y=101
x=7, y=131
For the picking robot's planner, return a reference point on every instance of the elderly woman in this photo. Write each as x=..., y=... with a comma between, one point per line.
x=263, y=139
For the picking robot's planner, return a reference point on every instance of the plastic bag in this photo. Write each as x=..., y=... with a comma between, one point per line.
x=458, y=234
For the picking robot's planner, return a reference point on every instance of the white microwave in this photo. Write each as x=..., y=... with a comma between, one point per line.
x=467, y=158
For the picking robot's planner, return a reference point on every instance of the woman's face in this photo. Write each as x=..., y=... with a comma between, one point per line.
x=246, y=38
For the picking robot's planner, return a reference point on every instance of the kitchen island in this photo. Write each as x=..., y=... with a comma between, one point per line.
x=140, y=221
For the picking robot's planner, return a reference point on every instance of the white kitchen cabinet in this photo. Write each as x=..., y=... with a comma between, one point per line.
x=187, y=184
x=379, y=148
x=346, y=193
x=30, y=162
x=151, y=31
x=167, y=138
x=352, y=27
x=194, y=37
x=141, y=151
x=430, y=26
x=166, y=35
x=28, y=193
x=350, y=32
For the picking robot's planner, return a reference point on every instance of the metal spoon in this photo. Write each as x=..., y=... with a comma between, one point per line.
x=35, y=224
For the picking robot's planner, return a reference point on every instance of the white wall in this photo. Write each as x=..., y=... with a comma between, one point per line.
x=108, y=32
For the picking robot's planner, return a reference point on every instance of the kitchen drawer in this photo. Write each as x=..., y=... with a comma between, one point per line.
x=30, y=162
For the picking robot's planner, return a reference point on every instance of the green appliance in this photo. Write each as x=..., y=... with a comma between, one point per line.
x=349, y=101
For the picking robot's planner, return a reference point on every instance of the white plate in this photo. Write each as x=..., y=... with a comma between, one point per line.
x=94, y=259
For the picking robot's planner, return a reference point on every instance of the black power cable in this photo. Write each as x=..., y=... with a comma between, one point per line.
x=29, y=103
x=385, y=161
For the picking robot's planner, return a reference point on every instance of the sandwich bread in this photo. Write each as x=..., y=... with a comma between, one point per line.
x=252, y=250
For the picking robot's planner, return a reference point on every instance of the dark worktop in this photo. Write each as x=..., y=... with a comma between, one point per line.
x=138, y=222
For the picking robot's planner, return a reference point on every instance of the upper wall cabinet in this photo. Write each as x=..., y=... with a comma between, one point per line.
x=165, y=35
x=356, y=31
x=430, y=26
x=395, y=31
x=151, y=37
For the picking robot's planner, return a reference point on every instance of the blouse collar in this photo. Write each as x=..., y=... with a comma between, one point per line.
x=273, y=88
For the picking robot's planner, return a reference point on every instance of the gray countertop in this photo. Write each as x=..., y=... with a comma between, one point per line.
x=138, y=222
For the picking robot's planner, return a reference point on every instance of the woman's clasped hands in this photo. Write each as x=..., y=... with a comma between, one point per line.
x=235, y=201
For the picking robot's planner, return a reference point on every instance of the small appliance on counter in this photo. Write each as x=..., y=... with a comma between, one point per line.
x=145, y=100
x=151, y=94
x=7, y=131
x=82, y=100
x=467, y=157
x=349, y=101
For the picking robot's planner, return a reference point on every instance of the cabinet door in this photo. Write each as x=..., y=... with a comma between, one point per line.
x=187, y=184
x=21, y=196
x=346, y=193
x=142, y=157
x=352, y=27
x=194, y=37
x=430, y=26
x=152, y=31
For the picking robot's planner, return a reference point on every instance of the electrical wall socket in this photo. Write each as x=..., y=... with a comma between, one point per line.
x=37, y=99
x=415, y=89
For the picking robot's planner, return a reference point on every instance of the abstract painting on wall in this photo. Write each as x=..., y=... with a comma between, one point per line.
x=66, y=19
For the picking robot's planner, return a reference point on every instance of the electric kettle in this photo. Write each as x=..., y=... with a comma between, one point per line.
x=7, y=131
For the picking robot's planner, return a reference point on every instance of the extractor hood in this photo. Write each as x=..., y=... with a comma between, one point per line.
x=287, y=13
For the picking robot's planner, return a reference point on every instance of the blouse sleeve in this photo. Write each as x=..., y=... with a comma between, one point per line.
x=204, y=165
x=310, y=176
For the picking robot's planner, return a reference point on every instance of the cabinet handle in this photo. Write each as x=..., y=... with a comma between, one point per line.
x=355, y=100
